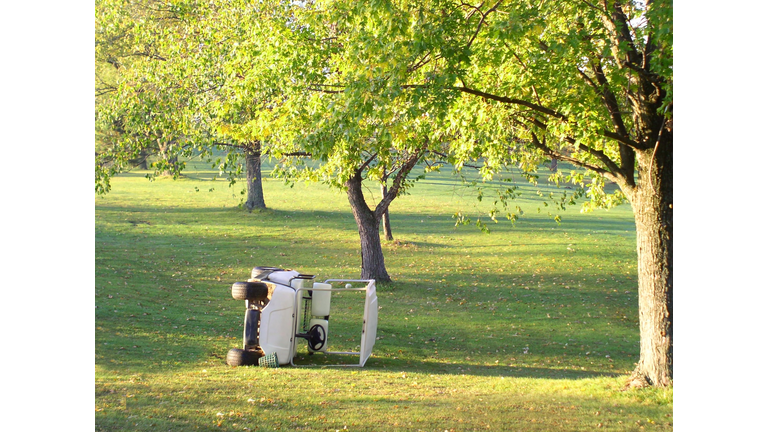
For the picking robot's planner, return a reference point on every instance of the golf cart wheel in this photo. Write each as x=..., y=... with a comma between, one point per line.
x=254, y=291
x=240, y=357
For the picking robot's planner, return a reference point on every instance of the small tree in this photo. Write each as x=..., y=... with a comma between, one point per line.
x=356, y=125
x=177, y=84
x=347, y=162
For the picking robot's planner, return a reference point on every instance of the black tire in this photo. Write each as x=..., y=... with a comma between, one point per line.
x=239, y=357
x=254, y=291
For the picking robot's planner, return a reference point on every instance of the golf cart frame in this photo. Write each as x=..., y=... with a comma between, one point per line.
x=283, y=306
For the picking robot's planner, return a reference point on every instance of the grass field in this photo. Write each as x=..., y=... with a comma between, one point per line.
x=532, y=327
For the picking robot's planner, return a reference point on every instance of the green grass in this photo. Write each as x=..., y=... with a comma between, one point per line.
x=533, y=327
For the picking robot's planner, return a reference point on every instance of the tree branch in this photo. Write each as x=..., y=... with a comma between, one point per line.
x=325, y=91
x=482, y=21
x=557, y=155
x=476, y=9
x=224, y=144
x=594, y=7
x=589, y=81
x=365, y=164
x=611, y=167
x=602, y=157
x=104, y=87
x=609, y=99
x=623, y=140
x=504, y=99
x=618, y=26
x=397, y=182
x=626, y=144
x=424, y=60
x=148, y=55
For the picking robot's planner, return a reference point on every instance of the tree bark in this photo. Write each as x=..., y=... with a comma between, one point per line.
x=652, y=205
x=553, y=165
x=385, y=217
x=255, y=192
x=368, y=227
x=171, y=159
x=141, y=162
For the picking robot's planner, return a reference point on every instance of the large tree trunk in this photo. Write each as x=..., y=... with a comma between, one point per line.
x=368, y=227
x=652, y=205
x=254, y=189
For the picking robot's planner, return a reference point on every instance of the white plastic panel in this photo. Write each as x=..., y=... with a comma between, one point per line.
x=370, y=323
x=276, y=330
x=321, y=299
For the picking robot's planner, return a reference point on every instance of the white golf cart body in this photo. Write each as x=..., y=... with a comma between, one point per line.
x=283, y=322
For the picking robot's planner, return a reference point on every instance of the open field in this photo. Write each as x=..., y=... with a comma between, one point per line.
x=532, y=327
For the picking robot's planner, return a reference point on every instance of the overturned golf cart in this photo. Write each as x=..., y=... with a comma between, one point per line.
x=284, y=306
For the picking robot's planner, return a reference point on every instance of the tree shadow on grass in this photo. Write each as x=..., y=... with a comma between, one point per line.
x=459, y=369
x=404, y=224
x=434, y=367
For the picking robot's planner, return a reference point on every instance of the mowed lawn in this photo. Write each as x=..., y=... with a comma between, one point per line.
x=532, y=327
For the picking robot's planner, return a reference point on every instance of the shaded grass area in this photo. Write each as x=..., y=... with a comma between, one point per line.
x=533, y=327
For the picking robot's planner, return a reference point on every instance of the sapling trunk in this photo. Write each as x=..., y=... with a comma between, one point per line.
x=368, y=227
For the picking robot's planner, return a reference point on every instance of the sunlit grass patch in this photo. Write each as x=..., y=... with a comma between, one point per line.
x=533, y=327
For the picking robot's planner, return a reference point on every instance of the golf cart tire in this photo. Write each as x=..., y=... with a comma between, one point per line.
x=240, y=357
x=254, y=291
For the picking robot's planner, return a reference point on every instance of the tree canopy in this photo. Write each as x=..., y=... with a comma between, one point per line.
x=173, y=80
x=513, y=82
